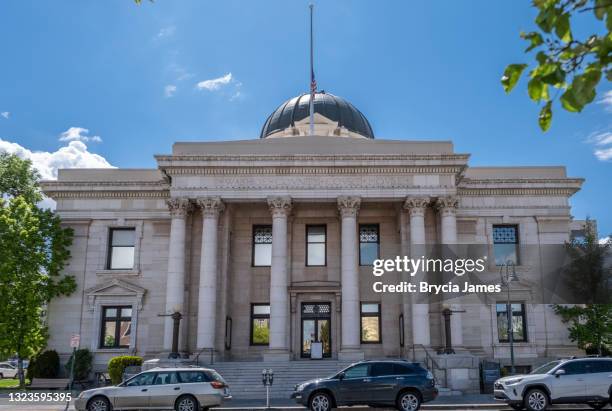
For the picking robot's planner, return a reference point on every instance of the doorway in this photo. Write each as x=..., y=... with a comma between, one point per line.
x=316, y=327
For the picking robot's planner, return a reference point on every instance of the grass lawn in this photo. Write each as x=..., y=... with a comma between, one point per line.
x=10, y=382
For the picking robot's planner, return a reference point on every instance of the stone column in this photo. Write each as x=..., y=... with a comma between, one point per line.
x=447, y=207
x=420, y=308
x=280, y=207
x=207, y=300
x=175, y=280
x=350, y=348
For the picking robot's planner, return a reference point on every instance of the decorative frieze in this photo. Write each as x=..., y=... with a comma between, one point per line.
x=279, y=206
x=211, y=206
x=349, y=206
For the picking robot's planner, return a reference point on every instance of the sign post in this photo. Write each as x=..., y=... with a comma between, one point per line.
x=75, y=340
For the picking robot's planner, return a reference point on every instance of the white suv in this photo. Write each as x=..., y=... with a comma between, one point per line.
x=7, y=370
x=573, y=381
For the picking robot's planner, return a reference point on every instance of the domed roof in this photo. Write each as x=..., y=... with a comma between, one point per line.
x=332, y=107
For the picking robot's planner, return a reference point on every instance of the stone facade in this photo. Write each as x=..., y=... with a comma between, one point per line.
x=193, y=221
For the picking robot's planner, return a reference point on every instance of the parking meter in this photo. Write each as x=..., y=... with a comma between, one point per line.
x=267, y=379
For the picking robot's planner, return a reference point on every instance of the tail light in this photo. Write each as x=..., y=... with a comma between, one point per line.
x=218, y=384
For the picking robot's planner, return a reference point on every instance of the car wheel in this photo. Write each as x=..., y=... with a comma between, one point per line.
x=536, y=400
x=320, y=401
x=597, y=405
x=186, y=403
x=98, y=404
x=408, y=401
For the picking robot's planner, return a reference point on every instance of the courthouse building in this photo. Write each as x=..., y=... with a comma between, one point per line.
x=266, y=245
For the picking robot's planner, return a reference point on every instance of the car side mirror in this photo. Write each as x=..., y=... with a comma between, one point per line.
x=559, y=373
x=341, y=376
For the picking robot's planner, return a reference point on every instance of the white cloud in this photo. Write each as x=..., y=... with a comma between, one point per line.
x=603, y=144
x=73, y=155
x=215, y=83
x=603, y=154
x=166, y=32
x=607, y=100
x=605, y=240
x=5, y=114
x=78, y=134
x=169, y=90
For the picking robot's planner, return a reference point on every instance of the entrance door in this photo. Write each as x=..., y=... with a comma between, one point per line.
x=316, y=327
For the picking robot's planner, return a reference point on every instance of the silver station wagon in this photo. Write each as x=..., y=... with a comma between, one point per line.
x=181, y=389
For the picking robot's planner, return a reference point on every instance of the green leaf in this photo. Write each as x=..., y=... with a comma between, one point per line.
x=547, y=18
x=562, y=28
x=534, y=38
x=542, y=57
x=569, y=102
x=582, y=90
x=545, y=117
x=537, y=90
x=552, y=74
x=511, y=75
x=600, y=8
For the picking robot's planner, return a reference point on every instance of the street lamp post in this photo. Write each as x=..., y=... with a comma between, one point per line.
x=507, y=273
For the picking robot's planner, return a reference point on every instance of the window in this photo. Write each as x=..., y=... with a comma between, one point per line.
x=505, y=244
x=402, y=369
x=262, y=245
x=370, y=323
x=575, y=367
x=379, y=369
x=193, y=376
x=167, y=377
x=121, y=248
x=141, y=379
x=369, y=242
x=519, y=323
x=598, y=366
x=316, y=239
x=358, y=371
x=260, y=324
x=116, y=327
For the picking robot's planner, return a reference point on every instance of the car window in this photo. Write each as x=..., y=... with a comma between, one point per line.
x=402, y=369
x=358, y=371
x=168, y=377
x=543, y=369
x=597, y=366
x=214, y=376
x=6, y=365
x=193, y=376
x=381, y=369
x=146, y=378
x=575, y=367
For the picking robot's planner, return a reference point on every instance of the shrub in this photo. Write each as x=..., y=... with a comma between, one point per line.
x=117, y=365
x=82, y=365
x=44, y=365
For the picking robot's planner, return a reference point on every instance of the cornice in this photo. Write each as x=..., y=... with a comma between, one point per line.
x=312, y=157
x=523, y=191
x=313, y=170
x=107, y=194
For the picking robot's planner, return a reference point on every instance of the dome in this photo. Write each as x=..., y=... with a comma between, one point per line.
x=334, y=108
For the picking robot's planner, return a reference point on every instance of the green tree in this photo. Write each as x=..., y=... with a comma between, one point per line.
x=590, y=326
x=588, y=273
x=572, y=67
x=35, y=248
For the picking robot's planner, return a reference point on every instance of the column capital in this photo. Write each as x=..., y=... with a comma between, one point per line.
x=416, y=205
x=280, y=206
x=349, y=206
x=179, y=206
x=211, y=206
x=447, y=205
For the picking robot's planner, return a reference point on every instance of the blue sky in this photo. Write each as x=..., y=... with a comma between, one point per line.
x=417, y=69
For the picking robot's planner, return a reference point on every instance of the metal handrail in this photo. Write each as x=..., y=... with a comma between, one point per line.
x=430, y=359
x=212, y=353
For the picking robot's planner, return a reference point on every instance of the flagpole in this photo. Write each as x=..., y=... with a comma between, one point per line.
x=313, y=84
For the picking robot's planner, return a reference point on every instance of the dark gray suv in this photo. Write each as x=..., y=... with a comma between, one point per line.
x=402, y=384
